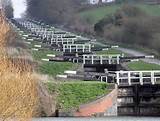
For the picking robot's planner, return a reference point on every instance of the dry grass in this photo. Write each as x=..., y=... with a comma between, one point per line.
x=18, y=86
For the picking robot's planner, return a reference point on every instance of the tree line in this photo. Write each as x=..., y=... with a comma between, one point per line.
x=53, y=11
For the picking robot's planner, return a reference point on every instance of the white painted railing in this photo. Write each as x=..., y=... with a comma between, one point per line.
x=76, y=48
x=137, y=77
x=63, y=40
x=101, y=59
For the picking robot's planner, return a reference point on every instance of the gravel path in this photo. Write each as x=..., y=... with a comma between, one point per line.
x=138, y=53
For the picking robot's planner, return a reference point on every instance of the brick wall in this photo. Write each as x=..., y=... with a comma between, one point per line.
x=100, y=106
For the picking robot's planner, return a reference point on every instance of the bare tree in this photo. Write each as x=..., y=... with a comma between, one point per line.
x=8, y=9
x=52, y=11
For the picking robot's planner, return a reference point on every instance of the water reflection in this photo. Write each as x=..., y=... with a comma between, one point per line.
x=101, y=119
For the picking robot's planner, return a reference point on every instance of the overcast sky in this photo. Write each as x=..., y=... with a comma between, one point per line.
x=19, y=7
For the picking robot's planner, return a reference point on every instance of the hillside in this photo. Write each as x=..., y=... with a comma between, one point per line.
x=92, y=16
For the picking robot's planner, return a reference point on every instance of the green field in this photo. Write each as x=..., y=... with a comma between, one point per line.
x=54, y=68
x=140, y=65
x=51, y=68
x=38, y=55
x=33, y=43
x=92, y=16
x=42, y=53
x=73, y=94
x=96, y=14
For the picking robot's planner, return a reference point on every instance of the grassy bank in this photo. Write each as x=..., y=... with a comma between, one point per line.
x=140, y=65
x=92, y=16
x=73, y=94
x=54, y=68
x=38, y=55
x=51, y=68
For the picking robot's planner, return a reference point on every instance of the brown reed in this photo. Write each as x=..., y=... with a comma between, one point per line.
x=18, y=87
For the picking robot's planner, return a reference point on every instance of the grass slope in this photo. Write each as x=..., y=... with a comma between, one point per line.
x=38, y=55
x=96, y=14
x=54, y=68
x=73, y=94
x=140, y=65
x=51, y=68
x=92, y=16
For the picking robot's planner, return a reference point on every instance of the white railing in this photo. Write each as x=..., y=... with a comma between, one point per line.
x=101, y=59
x=76, y=48
x=63, y=40
x=137, y=77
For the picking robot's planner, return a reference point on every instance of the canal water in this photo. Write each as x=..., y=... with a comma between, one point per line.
x=101, y=119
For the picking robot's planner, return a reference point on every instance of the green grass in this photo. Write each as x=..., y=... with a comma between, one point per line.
x=73, y=94
x=92, y=16
x=140, y=65
x=96, y=14
x=51, y=68
x=33, y=43
x=54, y=68
x=42, y=53
x=38, y=55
